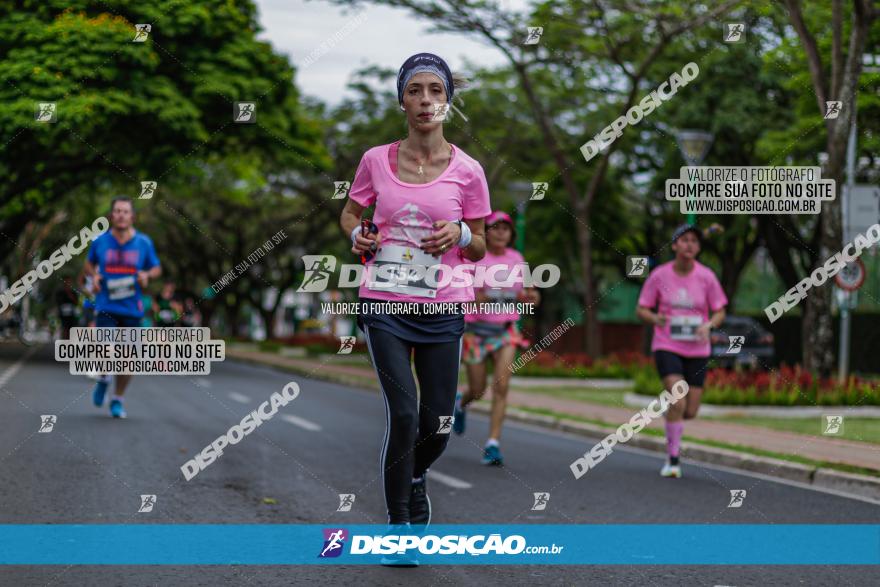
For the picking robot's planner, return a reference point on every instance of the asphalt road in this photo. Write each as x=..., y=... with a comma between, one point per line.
x=92, y=469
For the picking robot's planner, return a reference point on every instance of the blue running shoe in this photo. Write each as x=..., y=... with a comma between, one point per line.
x=492, y=456
x=458, y=416
x=116, y=409
x=99, y=393
x=399, y=560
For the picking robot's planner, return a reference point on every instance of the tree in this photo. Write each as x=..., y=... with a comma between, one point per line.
x=133, y=111
x=613, y=36
x=834, y=81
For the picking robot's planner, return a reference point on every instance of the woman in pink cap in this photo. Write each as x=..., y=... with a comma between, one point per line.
x=684, y=301
x=494, y=334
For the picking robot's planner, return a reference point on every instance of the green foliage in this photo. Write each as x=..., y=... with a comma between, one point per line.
x=128, y=112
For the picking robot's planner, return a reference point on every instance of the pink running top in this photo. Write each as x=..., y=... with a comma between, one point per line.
x=405, y=212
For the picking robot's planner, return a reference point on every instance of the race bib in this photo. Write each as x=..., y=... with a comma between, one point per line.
x=67, y=309
x=166, y=315
x=500, y=294
x=402, y=270
x=120, y=288
x=684, y=327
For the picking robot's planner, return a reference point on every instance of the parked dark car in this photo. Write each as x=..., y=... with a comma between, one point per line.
x=755, y=347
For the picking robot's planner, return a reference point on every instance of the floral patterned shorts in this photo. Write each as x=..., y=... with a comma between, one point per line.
x=476, y=348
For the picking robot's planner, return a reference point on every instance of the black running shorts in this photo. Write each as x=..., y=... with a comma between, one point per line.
x=692, y=368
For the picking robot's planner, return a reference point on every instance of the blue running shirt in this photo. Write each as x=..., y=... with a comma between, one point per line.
x=119, y=265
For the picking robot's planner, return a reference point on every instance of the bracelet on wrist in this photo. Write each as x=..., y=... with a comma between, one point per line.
x=466, y=236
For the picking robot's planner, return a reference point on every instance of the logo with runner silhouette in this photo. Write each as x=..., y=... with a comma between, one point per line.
x=319, y=268
x=346, y=500
x=148, y=188
x=541, y=499
x=737, y=497
x=440, y=112
x=832, y=109
x=346, y=345
x=445, y=425
x=147, y=503
x=539, y=190
x=636, y=266
x=534, y=35
x=341, y=189
x=733, y=32
x=334, y=542
x=47, y=423
x=141, y=32
x=736, y=344
x=832, y=425
x=45, y=112
x=244, y=113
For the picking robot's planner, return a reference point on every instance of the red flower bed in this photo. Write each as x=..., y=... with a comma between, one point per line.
x=782, y=379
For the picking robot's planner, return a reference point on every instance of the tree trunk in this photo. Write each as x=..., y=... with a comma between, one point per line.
x=268, y=317
x=232, y=313
x=817, y=331
x=778, y=248
x=592, y=338
x=207, y=311
x=730, y=281
x=817, y=328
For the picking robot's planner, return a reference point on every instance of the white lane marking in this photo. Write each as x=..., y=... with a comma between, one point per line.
x=237, y=397
x=14, y=368
x=301, y=422
x=202, y=382
x=448, y=480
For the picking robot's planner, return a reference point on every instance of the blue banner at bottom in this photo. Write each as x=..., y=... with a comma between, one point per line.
x=526, y=544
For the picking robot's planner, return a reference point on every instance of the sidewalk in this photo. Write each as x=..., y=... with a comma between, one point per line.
x=816, y=448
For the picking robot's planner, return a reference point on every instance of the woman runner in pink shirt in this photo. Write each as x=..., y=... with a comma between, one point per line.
x=684, y=293
x=494, y=334
x=430, y=201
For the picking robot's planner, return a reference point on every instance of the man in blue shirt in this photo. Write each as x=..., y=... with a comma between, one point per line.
x=121, y=263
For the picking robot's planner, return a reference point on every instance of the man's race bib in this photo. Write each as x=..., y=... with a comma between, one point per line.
x=120, y=288
x=166, y=315
x=684, y=327
x=67, y=309
x=402, y=270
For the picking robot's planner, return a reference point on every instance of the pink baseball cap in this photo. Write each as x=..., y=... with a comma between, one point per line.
x=498, y=216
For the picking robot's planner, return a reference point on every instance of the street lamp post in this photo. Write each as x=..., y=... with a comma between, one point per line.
x=694, y=146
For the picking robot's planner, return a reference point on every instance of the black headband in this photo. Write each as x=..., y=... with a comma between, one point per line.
x=424, y=62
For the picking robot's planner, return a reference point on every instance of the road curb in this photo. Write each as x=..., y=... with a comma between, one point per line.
x=846, y=483
x=850, y=483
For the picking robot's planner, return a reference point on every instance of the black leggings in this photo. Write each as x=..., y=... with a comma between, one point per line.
x=413, y=437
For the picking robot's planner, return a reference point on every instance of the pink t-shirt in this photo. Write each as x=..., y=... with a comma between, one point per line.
x=405, y=213
x=503, y=294
x=686, y=301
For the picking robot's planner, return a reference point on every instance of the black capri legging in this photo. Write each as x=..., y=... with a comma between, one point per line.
x=417, y=427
